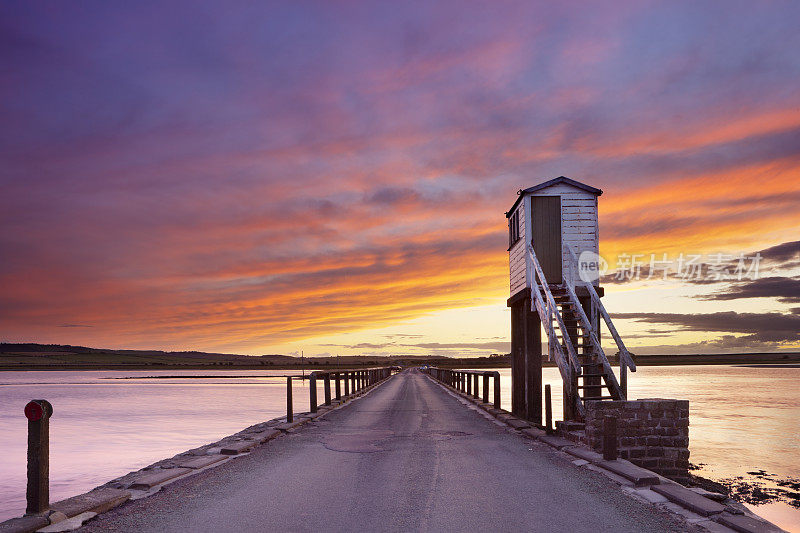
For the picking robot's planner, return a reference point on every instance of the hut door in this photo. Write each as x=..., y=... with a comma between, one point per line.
x=546, y=228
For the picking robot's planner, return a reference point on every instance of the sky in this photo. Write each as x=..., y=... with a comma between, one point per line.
x=332, y=177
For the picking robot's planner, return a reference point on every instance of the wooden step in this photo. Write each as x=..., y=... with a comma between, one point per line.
x=585, y=398
x=593, y=375
x=598, y=386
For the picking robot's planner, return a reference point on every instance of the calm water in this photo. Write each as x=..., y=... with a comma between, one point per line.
x=103, y=428
x=742, y=419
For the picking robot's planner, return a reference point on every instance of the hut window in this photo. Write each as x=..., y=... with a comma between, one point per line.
x=513, y=228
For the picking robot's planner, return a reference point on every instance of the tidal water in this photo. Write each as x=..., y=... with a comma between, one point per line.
x=742, y=420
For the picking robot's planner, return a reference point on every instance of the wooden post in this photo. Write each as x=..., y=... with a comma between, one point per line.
x=38, y=413
x=532, y=329
x=570, y=396
x=347, y=383
x=312, y=392
x=609, y=438
x=338, y=386
x=548, y=409
x=486, y=387
x=496, y=390
x=326, y=380
x=289, y=411
x=475, y=387
x=623, y=377
x=518, y=358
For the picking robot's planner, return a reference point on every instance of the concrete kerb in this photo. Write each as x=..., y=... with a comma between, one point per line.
x=635, y=481
x=73, y=512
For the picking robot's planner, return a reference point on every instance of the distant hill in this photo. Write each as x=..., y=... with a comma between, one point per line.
x=33, y=356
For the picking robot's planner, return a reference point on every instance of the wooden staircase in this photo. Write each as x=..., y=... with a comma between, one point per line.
x=573, y=340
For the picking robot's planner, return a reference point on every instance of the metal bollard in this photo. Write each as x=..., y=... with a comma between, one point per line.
x=312, y=391
x=289, y=411
x=548, y=410
x=38, y=413
x=609, y=438
x=326, y=380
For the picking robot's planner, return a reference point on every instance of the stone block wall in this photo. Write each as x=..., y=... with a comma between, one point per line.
x=652, y=433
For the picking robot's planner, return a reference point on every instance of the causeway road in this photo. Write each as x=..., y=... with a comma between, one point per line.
x=407, y=456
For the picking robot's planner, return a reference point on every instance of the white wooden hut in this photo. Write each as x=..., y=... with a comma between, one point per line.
x=563, y=213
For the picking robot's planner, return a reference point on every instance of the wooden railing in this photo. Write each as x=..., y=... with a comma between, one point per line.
x=344, y=381
x=467, y=381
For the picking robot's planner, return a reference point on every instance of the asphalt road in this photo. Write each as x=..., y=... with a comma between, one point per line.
x=407, y=456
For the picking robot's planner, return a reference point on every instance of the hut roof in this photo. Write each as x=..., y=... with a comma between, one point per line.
x=554, y=181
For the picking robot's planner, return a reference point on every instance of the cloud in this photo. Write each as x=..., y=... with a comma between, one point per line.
x=783, y=255
x=742, y=270
x=438, y=347
x=772, y=328
x=783, y=289
x=261, y=174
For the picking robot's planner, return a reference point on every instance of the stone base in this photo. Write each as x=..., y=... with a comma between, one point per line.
x=652, y=433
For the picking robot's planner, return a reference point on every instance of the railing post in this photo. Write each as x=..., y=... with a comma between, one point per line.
x=326, y=380
x=486, y=387
x=289, y=411
x=38, y=413
x=496, y=390
x=609, y=438
x=338, y=386
x=469, y=384
x=623, y=377
x=312, y=391
x=548, y=410
x=347, y=383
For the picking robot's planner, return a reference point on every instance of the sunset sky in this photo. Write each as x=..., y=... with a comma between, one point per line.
x=332, y=177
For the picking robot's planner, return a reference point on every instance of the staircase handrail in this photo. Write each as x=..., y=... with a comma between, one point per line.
x=624, y=355
x=611, y=379
x=543, y=309
x=552, y=310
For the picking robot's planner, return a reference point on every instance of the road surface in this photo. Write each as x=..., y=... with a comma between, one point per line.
x=408, y=456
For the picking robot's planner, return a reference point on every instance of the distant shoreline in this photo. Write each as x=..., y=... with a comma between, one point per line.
x=460, y=363
x=32, y=357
